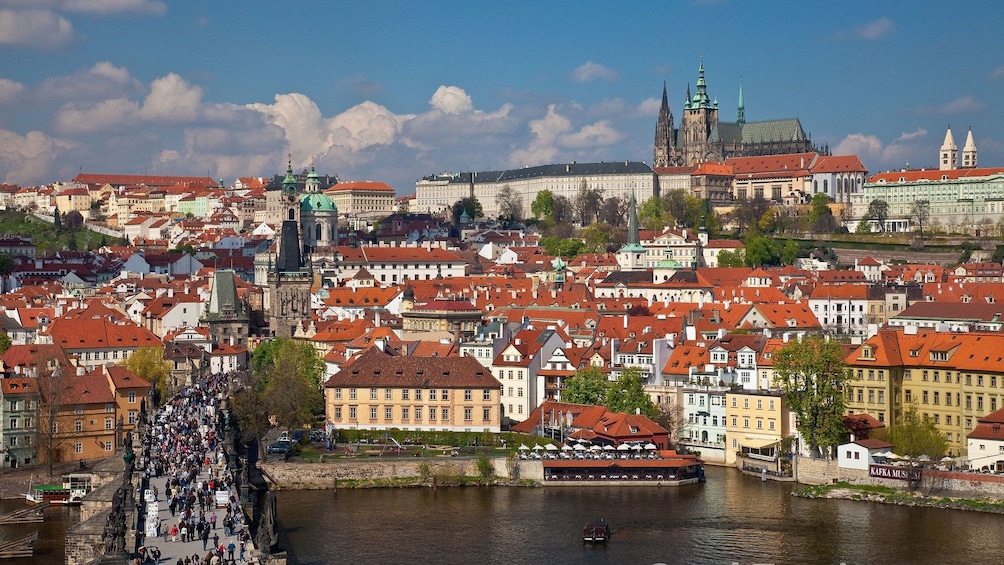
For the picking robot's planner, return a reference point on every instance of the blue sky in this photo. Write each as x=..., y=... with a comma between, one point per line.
x=393, y=91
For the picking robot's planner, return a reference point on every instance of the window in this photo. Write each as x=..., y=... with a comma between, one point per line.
x=373, y=394
x=759, y=404
x=861, y=395
x=486, y=414
x=446, y=396
x=770, y=425
x=405, y=413
x=979, y=403
x=519, y=391
x=746, y=403
x=909, y=395
x=467, y=414
x=418, y=413
x=108, y=446
x=746, y=422
x=78, y=447
x=733, y=402
x=373, y=413
x=352, y=394
x=132, y=397
x=937, y=418
x=352, y=412
x=418, y=394
x=467, y=395
x=486, y=395
x=969, y=423
x=388, y=394
x=969, y=402
x=338, y=413
x=109, y=423
x=78, y=410
x=432, y=413
x=432, y=394
x=338, y=394
x=734, y=424
x=924, y=396
x=871, y=397
x=132, y=416
x=881, y=397
x=771, y=405
x=405, y=394
x=759, y=424
x=78, y=426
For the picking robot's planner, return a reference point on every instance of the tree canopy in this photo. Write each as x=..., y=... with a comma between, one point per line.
x=915, y=436
x=811, y=373
x=510, y=205
x=626, y=394
x=148, y=364
x=289, y=379
x=878, y=210
x=542, y=205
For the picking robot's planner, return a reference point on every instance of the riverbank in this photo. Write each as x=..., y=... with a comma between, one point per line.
x=14, y=483
x=888, y=495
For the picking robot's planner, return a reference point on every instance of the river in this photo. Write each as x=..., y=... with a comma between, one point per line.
x=730, y=519
x=49, y=550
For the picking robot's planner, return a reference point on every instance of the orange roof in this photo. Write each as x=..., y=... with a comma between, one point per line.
x=934, y=174
x=360, y=185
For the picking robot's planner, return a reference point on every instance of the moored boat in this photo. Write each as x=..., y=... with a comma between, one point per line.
x=597, y=531
x=75, y=486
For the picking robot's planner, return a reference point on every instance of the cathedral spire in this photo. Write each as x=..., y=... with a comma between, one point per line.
x=701, y=99
x=686, y=105
x=632, y=236
x=741, y=118
x=663, y=133
x=289, y=183
x=969, y=151
x=949, y=152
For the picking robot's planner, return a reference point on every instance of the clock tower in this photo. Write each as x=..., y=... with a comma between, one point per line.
x=290, y=277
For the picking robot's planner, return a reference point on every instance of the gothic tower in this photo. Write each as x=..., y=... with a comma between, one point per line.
x=663, y=134
x=969, y=151
x=741, y=115
x=290, y=278
x=699, y=118
x=949, y=153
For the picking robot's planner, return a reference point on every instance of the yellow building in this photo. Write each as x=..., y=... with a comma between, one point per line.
x=361, y=197
x=379, y=391
x=951, y=378
x=755, y=423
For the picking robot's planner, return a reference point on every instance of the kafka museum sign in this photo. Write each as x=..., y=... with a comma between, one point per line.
x=894, y=473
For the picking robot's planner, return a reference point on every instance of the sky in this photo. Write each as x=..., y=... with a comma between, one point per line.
x=394, y=91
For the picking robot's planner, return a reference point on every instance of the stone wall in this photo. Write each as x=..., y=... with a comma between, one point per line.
x=817, y=471
x=297, y=475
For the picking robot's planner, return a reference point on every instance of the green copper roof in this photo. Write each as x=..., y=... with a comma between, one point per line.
x=317, y=202
x=289, y=183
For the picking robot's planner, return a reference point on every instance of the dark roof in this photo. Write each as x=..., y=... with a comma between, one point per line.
x=374, y=368
x=556, y=170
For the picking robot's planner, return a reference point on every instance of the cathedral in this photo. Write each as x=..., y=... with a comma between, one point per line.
x=701, y=137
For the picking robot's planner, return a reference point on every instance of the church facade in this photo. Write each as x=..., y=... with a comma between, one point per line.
x=701, y=137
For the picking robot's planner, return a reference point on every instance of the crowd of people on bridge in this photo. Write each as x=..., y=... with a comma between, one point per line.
x=187, y=458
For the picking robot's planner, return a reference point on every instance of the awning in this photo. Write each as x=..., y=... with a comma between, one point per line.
x=757, y=443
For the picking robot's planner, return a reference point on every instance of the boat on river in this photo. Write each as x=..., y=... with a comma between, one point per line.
x=72, y=491
x=666, y=468
x=597, y=531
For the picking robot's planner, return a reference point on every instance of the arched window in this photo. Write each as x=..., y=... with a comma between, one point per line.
x=292, y=214
x=826, y=186
x=317, y=232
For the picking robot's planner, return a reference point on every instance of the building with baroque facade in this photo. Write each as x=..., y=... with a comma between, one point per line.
x=701, y=137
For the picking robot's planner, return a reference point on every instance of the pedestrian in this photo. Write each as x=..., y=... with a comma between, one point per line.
x=212, y=520
x=174, y=532
x=184, y=531
x=230, y=551
x=216, y=540
x=205, y=539
x=242, y=550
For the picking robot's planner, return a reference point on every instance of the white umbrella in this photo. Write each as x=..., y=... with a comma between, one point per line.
x=579, y=447
x=623, y=447
x=946, y=459
x=891, y=455
x=523, y=447
x=538, y=447
x=923, y=457
x=650, y=446
x=636, y=447
x=608, y=447
x=551, y=447
x=595, y=448
x=566, y=448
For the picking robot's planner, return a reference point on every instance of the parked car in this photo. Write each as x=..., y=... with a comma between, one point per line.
x=317, y=435
x=281, y=446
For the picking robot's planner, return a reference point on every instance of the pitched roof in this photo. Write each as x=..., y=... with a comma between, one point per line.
x=374, y=368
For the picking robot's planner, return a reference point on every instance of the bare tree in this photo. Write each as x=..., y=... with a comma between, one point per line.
x=671, y=416
x=587, y=203
x=613, y=211
x=561, y=211
x=55, y=394
x=510, y=206
x=920, y=212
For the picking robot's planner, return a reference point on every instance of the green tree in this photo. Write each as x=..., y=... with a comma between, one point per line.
x=760, y=250
x=73, y=220
x=71, y=242
x=148, y=364
x=864, y=227
x=651, y=216
x=570, y=247
x=818, y=207
x=789, y=252
x=728, y=258
x=6, y=264
x=878, y=210
x=542, y=205
x=586, y=386
x=5, y=342
x=290, y=372
x=469, y=205
x=597, y=237
x=627, y=394
x=916, y=436
x=57, y=221
x=812, y=375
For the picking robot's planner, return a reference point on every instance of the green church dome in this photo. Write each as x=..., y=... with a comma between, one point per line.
x=317, y=202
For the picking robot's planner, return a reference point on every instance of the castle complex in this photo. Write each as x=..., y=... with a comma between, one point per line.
x=701, y=137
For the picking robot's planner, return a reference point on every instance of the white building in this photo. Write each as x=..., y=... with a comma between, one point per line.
x=861, y=453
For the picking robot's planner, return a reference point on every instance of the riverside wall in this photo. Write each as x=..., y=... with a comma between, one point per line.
x=306, y=476
x=822, y=472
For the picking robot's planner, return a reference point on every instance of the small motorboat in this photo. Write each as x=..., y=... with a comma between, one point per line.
x=597, y=531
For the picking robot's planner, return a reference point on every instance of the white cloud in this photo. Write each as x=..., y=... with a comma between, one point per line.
x=101, y=81
x=590, y=71
x=862, y=145
x=451, y=100
x=874, y=30
x=960, y=105
x=171, y=98
x=9, y=90
x=997, y=73
x=919, y=132
x=600, y=134
x=543, y=147
x=154, y=7
x=25, y=158
x=35, y=29
x=104, y=115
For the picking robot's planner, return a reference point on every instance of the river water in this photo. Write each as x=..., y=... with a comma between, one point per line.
x=50, y=548
x=730, y=519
